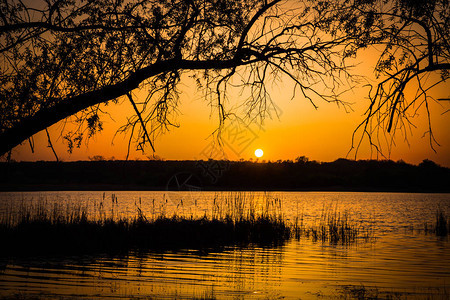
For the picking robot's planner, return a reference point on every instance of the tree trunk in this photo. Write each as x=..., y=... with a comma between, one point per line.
x=31, y=125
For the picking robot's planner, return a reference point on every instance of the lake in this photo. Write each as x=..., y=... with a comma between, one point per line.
x=400, y=260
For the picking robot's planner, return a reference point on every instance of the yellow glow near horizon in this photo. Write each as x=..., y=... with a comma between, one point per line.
x=259, y=153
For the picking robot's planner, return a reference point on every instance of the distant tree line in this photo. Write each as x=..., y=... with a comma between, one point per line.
x=303, y=174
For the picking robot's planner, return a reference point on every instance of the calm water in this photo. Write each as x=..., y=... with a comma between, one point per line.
x=399, y=259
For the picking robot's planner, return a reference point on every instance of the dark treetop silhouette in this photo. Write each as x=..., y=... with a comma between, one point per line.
x=62, y=58
x=303, y=174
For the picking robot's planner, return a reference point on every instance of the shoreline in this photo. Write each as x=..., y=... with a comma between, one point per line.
x=113, y=187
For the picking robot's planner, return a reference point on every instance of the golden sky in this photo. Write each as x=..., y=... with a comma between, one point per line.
x=323, y=134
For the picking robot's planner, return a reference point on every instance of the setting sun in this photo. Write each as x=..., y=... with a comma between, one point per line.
x=259, y=153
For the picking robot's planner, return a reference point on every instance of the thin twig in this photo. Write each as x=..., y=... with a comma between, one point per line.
x=51, y=145
x=140, y=120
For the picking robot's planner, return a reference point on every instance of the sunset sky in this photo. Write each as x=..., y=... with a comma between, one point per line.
x=323, y=134
x=298, y=129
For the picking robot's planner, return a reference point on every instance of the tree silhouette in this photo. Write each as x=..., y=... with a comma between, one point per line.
x=62, y=58
x=415, y=36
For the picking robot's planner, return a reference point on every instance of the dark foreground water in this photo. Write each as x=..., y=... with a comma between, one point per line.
x=401, y=261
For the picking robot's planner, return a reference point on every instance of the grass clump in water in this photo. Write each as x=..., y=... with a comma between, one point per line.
x=333, y=227
x=58, y=228
x=233, y=219
x=441, y=227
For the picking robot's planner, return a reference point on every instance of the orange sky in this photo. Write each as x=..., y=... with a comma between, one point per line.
x=323, y=134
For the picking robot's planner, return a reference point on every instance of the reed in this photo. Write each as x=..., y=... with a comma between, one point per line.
x=40, y=227
x=234, y=219
x=334, y=227
x=441, y=226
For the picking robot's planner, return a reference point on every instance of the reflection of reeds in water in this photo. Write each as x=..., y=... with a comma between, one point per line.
x=57, y=227
x=362, y=292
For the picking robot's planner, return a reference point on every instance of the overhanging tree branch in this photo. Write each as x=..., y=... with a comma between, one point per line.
x=72, y=105
x=68, y=56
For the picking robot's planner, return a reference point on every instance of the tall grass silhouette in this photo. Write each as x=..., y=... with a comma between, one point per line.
x=234, y=218
x=334, y=226
x=441, y=226
x=237, y=219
